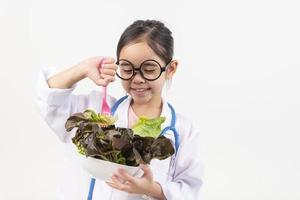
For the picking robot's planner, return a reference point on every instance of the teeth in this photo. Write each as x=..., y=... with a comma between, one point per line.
x=140, y=90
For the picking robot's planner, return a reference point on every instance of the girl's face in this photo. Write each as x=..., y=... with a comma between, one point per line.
x=142, y=91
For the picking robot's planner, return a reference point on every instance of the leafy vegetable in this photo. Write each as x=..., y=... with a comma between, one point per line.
x=89, y=116
x=148, y=127
x=97, y=136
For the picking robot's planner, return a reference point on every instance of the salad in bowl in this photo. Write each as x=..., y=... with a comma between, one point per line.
x=105, y=147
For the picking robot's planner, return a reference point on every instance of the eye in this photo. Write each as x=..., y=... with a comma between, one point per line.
x=150, y=67
x=149, y=71
x=125, y=67
x=127, y=71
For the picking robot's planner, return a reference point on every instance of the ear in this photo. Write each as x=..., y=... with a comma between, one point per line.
x=171, y=69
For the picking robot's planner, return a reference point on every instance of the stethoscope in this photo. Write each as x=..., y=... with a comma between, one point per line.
x=171, y=127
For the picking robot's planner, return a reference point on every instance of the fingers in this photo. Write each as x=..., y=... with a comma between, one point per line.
x=124, y=175
x=108, y=60
x=108, y=70
x=147, y=171
x=101, y=80
x=121, y=180
x=117, y=184
x=145, y=168
x=102, y=74
x=104, y=82
x=106, y=78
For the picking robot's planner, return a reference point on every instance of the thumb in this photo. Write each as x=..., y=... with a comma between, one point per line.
x=146, y=169
x=103, y=82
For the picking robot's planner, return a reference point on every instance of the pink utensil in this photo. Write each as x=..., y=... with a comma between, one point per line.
x=105, y=109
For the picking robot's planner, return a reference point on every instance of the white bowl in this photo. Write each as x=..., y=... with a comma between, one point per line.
x=103, y=170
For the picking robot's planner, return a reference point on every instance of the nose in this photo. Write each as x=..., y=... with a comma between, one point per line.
x=137, y=78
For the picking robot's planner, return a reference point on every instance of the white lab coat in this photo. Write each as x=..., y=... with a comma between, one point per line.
x=180, y=176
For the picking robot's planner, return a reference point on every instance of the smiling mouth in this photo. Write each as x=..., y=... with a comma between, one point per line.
x=140, y=89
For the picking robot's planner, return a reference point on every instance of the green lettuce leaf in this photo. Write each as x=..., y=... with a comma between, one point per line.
x=146, y=127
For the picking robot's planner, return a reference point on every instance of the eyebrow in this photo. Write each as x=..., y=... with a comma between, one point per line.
x=156, y=59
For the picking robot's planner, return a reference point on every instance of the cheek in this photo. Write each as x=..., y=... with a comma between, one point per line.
x=125, y=85
x=158, y=85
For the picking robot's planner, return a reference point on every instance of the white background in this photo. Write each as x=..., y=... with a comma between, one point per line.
x=238, y=77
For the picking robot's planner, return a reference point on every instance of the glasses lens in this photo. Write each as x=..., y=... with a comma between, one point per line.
x=151, y=70
x=125, y=69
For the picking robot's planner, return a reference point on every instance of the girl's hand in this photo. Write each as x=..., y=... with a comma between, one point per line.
x=123, y=181
x=100, y=75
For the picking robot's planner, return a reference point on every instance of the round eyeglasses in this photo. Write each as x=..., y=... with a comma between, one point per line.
x=149, y=69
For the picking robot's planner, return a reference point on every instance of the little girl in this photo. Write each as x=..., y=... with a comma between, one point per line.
x=144, y=62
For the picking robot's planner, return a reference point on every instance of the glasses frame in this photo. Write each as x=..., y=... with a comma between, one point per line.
x=135, y=69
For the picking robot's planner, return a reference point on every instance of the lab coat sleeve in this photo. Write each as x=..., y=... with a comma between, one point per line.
x=56, y=105
x=187, y=170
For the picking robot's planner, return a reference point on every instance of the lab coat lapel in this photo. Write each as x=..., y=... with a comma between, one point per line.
x=122, y=113
x=166, y=112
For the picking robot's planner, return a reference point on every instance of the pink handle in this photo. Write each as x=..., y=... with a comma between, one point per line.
x=104, y=89
x=105, y=109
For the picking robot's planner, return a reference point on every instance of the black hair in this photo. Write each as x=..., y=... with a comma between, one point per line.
x=154, y=33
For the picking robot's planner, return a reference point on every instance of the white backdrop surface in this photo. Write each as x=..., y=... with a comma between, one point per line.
x=238, y=77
